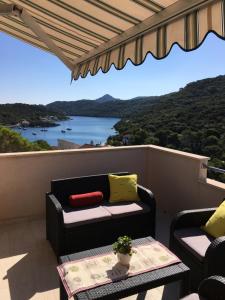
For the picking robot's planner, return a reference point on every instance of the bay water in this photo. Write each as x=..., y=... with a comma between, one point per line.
x=83, y=130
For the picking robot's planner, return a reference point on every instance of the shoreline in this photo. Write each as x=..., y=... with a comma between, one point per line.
x=40, y=125
x=49, y=125
x=83, y=130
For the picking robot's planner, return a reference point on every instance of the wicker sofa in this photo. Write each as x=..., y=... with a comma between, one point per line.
x=70, y=230
x=212, y=288
x=203, y=254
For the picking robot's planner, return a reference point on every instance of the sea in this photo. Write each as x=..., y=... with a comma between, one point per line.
x=82, y=130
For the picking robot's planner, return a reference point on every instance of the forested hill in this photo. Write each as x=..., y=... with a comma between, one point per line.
x=191, y=120
x=202, y=90
x=11, y=114
x=102, y=107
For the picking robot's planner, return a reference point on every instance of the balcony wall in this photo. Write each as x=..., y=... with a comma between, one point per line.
x=176, y=178
x=25, y=177
x=180, y=182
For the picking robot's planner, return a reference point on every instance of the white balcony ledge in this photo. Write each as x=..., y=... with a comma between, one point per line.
x=177, y=179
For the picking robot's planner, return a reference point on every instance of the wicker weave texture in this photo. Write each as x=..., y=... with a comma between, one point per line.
x=131, y=285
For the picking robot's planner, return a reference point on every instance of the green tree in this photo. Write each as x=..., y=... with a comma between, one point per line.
x=162, y=135
x=213, y=150
x=211, y=140
x=43, y=145
x=174, y=140
x=11, y=141
x=139, y=136
x=152, y=140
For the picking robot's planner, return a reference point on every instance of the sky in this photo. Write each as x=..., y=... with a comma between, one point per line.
x=30, y=75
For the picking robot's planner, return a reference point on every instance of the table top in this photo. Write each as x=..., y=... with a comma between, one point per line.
x=130, y=285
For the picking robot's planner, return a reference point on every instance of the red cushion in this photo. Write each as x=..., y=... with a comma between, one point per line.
x=87, y=199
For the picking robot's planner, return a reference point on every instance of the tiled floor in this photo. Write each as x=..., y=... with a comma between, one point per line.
x=28, y=265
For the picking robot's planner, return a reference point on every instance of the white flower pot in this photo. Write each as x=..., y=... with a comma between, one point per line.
x=124, y=259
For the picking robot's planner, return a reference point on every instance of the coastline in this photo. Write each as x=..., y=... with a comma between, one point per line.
x=76, y=129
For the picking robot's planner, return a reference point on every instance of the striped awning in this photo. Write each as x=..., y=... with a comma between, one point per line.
x=88, y=35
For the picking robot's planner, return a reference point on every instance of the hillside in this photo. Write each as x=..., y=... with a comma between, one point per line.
x=191, y=120
x=106, y=106
x=106, y=98
x=36, y=115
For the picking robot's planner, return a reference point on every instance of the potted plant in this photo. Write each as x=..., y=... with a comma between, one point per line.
x=123, y=248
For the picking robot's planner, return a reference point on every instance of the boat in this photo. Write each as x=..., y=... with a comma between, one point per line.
x=68, y=128
x=34, y=133
x=63, y=131
x=44, y=130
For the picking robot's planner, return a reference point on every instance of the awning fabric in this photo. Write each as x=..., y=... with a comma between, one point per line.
x=94, y=34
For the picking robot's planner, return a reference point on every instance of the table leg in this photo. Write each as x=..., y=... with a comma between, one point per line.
x=141, y=296
x=185, y=284
x=63, y=294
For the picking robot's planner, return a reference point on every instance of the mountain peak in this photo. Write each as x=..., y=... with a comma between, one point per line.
x=106, y=98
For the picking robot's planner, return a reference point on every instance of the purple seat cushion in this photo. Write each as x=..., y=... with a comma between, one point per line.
x=85, y=216
x=195, y=240
x=125, y=209
x=192, y=297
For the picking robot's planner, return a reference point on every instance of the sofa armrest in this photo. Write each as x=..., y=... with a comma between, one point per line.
x=53, y=202
x=54, y=222
x=213, y=288
x=191, y=218
x=146, y=196
x=215, y=257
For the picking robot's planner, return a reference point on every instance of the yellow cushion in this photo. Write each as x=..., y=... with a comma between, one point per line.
x=216, y=224
x=123, y=188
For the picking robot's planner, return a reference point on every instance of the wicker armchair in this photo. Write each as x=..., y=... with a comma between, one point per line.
x=76, y=236
x=204, y=254
x=212, y=288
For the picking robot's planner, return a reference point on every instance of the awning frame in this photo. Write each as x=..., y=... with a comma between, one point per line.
x=15, y=10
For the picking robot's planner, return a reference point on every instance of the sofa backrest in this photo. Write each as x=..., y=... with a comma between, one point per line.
x=63, y=188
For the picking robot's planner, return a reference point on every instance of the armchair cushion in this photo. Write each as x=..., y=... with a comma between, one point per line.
x=216, y=224
x=87, y=199
x=195, y=240
x=125, y=209
x=85, y=216
x=123, y=188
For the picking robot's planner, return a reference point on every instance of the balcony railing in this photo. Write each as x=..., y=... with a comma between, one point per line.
x=215, y=169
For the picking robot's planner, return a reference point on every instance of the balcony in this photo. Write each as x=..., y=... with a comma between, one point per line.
x=27, y=263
